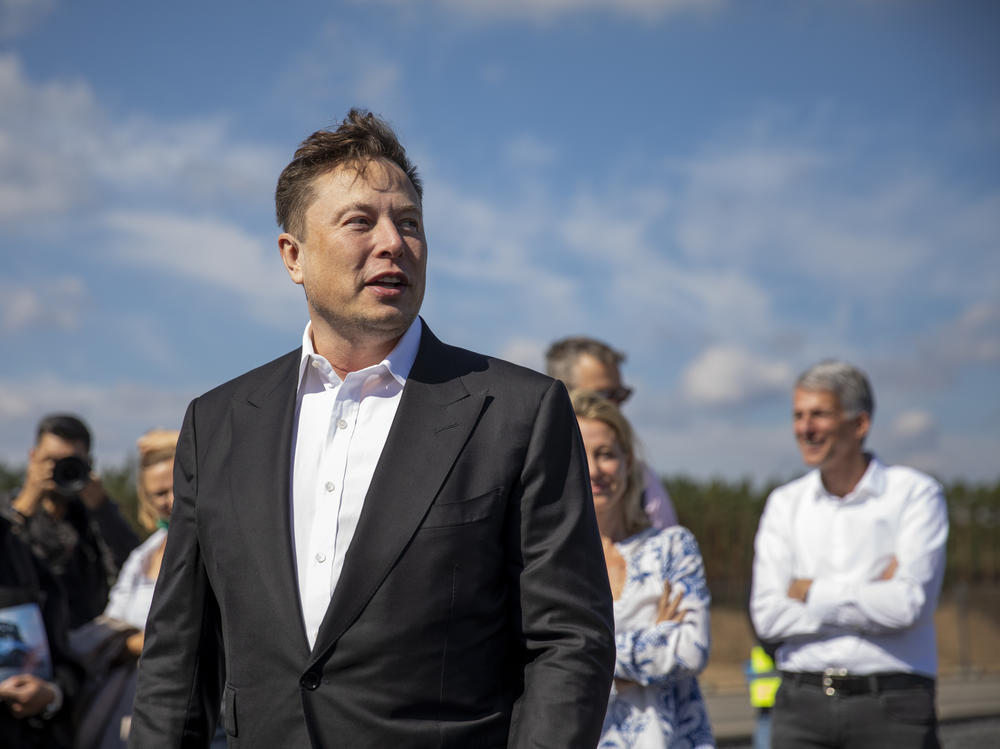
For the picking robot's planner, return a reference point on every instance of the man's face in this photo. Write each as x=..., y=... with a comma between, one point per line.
x=825, y=435
x=590, y=373
x=362, y=258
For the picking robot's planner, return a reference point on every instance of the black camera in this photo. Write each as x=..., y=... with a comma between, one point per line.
x=71, y=475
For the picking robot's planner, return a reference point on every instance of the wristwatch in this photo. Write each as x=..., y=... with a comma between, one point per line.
x=57, y=701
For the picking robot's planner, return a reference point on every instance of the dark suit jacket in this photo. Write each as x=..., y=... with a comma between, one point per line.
x=473, y=608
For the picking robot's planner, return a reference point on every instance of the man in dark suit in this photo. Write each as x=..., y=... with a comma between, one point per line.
x=378, y=540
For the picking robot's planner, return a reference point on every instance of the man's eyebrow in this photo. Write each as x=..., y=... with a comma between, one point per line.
x=361, y=205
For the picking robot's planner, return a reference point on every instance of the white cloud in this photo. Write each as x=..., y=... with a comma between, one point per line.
x=378, y=80
x=336, y=68
x=41, y=169
x=958, y=454
x=56, y=303
x=911, y=424
x=59, y=150
x=17, y=17
x=210, y=251
x=831, y=214
x=551, y=10
x=731, y=375
x=974, y=337
x=117, y=413
x=483, y=245
x=711, y=448
x=529, y=151
x=526, y=352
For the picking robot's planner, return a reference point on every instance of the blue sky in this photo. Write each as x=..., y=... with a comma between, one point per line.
x=727, y=191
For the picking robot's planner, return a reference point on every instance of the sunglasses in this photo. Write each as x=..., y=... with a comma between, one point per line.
x=616, y=395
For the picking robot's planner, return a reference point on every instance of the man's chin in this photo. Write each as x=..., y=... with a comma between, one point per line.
x=811, y=458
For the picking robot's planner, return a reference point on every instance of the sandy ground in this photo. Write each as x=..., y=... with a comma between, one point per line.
x=968, y=629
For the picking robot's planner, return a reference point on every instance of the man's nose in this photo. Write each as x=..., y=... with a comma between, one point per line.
x=592, y=470
x=388, y=240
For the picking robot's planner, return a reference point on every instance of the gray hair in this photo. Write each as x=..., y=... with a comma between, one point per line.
x=847, y=382
x=561, y=357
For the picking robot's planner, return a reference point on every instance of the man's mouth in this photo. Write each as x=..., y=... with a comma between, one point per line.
x=388, y=281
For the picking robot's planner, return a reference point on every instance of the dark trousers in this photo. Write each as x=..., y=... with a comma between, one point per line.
x=899, y=717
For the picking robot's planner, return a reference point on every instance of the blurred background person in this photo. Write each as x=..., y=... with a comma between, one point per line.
x=68, y=521
x=588, y=364
x=661, y=600
x=132, y=594
x=848, y=565
x=38, y=679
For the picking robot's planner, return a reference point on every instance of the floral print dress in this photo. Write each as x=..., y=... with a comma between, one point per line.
x=662, y=706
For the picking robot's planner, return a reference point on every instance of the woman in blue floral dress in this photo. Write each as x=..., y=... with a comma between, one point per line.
x=661, y=599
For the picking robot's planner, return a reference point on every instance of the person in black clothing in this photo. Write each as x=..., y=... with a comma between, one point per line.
x=68, y=521
x=35, y=706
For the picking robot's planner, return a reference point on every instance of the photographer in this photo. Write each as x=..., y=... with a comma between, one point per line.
x=68, y=521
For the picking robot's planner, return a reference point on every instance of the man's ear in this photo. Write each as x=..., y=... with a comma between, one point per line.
x=291, y=256
x=863, y=426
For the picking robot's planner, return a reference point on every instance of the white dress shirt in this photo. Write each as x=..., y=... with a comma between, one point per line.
x=852, y=620
x=340, y=429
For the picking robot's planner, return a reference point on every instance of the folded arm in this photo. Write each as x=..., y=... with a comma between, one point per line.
x=783, y=608
x=896, y=600
x=676, y=645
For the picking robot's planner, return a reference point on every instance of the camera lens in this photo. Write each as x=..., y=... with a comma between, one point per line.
x=70, y=475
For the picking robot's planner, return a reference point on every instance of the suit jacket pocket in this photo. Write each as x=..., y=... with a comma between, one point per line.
x=229, y=709
x=442, y=515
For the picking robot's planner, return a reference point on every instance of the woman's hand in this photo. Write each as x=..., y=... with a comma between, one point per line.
x=669, y=609
x=135, y=642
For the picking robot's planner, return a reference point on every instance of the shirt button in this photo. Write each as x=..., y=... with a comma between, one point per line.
x=329, y=486
x=320, y=557
x=342, y=424
x=316, y=364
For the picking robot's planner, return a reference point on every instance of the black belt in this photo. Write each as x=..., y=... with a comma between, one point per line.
x=835, y=682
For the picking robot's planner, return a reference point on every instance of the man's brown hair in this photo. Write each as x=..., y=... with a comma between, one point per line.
x=360, y=138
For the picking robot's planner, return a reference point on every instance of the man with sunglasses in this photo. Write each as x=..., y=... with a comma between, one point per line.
x=588, y=364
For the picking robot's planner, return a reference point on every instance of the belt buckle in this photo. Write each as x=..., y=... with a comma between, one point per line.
x=829, y=675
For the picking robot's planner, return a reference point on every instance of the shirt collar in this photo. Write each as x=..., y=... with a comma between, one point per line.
x=398, y=362
x=871, y=484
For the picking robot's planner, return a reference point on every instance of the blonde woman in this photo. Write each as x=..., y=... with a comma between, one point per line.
x=661, y=600
x=132, y=594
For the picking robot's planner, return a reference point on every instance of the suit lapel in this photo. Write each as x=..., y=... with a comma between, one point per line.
x=260, y=481
x=435, y=417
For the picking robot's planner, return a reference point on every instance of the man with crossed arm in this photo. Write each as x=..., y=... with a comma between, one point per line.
x=847, y=571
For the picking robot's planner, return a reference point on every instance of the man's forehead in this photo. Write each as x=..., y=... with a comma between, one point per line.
x=53, y=443
x=379, y=174
x=826, y=398
x=590, y=372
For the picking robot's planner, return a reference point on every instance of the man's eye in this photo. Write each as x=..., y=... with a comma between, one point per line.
x=410, y=224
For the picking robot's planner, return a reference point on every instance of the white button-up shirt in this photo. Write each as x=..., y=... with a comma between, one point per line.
x=340, y=429
x=852, y=620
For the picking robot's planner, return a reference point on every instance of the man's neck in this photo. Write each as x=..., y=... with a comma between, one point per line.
x=350, y=355
x=611, y=525
x=840, y=479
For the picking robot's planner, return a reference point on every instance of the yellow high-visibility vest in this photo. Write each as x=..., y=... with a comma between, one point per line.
x=764, y=679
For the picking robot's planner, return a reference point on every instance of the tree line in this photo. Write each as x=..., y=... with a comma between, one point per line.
x=723, y=515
